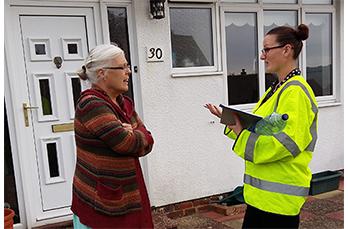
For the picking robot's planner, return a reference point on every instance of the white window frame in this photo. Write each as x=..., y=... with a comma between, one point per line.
x=204, y=70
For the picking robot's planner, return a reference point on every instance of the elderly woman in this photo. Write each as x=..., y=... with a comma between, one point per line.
x=108, y=187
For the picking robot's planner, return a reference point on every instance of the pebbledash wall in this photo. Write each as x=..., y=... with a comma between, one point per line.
x=191, y=157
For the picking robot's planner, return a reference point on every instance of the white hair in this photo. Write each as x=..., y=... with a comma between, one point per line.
x=98, y=58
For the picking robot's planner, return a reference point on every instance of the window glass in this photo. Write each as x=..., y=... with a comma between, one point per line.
x=76, y=89
x=191, y=37
x=319, y=53
x=317, y=1
x=279, y=1
x=273, y=19
x=242, y=58
x=279, y=18
x=118, y=29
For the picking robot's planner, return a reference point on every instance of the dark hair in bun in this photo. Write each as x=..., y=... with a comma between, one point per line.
x=287, y=35
x=302, y=32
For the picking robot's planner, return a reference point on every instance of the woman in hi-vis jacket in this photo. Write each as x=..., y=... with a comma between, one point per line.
x=277, y=177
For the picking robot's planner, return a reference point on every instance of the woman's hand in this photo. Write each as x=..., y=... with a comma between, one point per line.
x=237, y=127
x=213, y=109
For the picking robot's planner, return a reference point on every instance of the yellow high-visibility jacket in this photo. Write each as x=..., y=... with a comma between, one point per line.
x=277, y=177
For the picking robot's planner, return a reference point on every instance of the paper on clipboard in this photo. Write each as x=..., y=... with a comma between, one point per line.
x=246, y=119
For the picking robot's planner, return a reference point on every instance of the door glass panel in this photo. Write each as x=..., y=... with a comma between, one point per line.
x=118, y=29
x=10, y=190
x=40, y=49
x=191, y=37
x=319, y=53
x=76, y=89
x=242, y=58
x=72, y=48
x=45, y=97
x=52, y=159
x=273, y=19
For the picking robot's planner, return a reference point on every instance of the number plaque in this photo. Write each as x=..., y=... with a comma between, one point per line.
x=154, y=54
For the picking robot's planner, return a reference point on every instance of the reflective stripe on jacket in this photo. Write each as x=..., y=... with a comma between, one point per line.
x=277, y=176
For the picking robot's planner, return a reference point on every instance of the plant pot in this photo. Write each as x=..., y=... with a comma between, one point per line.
x=8, y=218
x=324, y=182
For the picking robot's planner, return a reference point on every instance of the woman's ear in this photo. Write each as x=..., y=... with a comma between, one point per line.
x=100, y=74
x=288, y=50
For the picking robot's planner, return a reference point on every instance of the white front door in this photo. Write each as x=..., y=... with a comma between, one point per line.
x=54, y=49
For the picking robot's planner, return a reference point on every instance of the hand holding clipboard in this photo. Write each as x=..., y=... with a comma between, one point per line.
x=246, y=119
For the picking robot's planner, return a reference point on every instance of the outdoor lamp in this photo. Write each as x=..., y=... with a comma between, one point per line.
x=157, y=8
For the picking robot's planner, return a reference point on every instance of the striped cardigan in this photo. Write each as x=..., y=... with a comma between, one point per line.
x=105, y=173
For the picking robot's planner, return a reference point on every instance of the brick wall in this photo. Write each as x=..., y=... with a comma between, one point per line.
x=190, y=207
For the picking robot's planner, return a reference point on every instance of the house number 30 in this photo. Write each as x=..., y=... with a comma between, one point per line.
x=154, y=54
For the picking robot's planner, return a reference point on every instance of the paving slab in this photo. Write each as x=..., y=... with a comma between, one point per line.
x=328, y=195
x=235, y=224
x=198, y=221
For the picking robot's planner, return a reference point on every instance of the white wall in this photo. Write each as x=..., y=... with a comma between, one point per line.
x=191, y=156
x=328, y=154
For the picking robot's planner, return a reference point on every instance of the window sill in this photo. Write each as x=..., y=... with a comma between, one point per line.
x=193, y=74
x=329, y=104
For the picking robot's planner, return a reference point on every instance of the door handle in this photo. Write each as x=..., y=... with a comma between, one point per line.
x=25, y=112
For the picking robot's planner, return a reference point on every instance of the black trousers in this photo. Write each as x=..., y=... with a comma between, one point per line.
x=256, y=218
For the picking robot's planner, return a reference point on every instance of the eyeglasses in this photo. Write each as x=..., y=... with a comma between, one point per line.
x=126, y=67
x=264, y=51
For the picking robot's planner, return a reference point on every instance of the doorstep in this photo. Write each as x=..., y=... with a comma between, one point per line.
x=61, y=225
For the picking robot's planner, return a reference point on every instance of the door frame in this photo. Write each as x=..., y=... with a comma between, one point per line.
x=16, y=93
x=14, y=148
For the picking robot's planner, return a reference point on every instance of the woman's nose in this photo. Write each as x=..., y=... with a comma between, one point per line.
x=129, y=70
x=262, y=56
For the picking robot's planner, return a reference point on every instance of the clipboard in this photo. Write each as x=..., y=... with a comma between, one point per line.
x=247, y=119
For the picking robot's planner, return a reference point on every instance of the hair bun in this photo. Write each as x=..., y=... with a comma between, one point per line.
x=302, y=32
x=82, y=73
